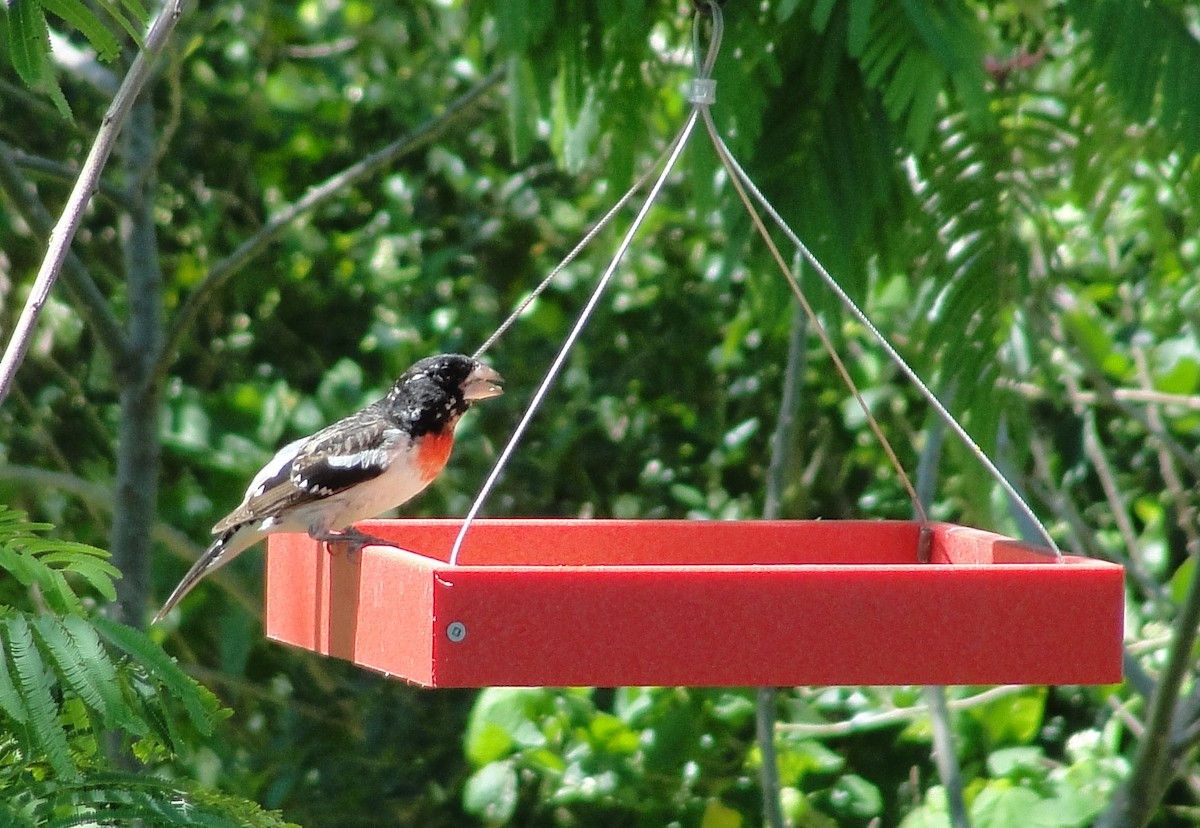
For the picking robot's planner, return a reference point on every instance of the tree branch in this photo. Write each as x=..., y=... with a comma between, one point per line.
x=327, y=190
x=1153, y=769
x=777, y=477
x=64, y=231
x=1148, y=396
x=894, y=718
x=139, y=447
x=65, y=172
x=88, y=300
x=945, y=757
x=1084, y=538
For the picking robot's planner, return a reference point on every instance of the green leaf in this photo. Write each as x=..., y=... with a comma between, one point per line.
x=1182, y=580
x=1012, y=719
x=501, y=720
x=487, y=742
x=798, y=760
x=856, y=796
x=104, y=671
x=123, y=12
x=1000, y=805
x=859, y=28
x=82, y=18
x=200, y=704
x=29, y=49
x=612, y=735
x=822, y=9
x=733, y=708
x=933, y=812
x=491, y=793
x=28, y=41
x=140, y=12
x=43, y=562
x=36, y=690
x=1017, y=762
x=523, y=107
x=1070, y=808
x=719, y=815
x=99, y=573
x=10, y=698
x=72, y=669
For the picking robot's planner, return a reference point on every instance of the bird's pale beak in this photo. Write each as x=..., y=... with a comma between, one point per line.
x=482, y=383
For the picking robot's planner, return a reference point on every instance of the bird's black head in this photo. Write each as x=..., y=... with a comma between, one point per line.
x=436, y=390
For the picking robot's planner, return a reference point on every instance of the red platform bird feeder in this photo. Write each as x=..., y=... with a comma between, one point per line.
x=699, y=603
x=702, y=603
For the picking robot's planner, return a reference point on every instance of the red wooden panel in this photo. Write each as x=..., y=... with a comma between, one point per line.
x=545, y=602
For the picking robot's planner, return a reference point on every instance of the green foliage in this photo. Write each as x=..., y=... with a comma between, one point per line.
x=1026, y=788
x=43, y=564
x=26, y=33
x=73, y=687
x=1009, y=188
x=643, y=756
x=111, y=798
x=1148, y=54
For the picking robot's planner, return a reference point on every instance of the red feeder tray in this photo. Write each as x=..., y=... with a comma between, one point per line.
x=747, y=603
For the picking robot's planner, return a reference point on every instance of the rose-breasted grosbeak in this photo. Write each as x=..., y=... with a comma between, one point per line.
x=362, y=465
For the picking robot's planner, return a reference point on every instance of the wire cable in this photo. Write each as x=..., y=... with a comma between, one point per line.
x=676, y=148
x=739, y=175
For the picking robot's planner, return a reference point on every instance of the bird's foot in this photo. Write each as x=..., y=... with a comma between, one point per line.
x=354, y=540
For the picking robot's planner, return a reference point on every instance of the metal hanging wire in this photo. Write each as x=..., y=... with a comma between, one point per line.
x=674, y=151
x=702, y=94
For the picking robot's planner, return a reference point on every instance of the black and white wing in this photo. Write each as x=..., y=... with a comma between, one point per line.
x=345, y=454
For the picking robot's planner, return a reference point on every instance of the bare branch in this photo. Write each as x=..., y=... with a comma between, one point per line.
x=64, y=231
x=944, y=755
x=58, y=171
x=1083, y=537
x=777, y=477
x=1147, y=396
x=896, y=717
x=89, y=301
x=1154, y=765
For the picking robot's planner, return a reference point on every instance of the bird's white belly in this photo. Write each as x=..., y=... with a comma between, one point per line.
x=366, y=500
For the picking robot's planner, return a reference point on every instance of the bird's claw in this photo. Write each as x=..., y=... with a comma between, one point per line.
x=353, y=539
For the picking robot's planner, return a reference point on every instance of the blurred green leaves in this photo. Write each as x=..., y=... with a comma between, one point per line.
x=1011, y=192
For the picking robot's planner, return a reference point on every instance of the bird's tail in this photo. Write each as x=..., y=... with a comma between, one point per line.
x=228, y=545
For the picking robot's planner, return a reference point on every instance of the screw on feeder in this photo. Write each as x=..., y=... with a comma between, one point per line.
x=456, y=631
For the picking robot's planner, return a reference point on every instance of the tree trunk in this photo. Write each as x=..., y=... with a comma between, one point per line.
x=138, y=449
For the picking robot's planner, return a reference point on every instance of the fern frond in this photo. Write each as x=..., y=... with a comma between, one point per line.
x=123, y=799
x=88, y=562
x=103, y=675
x=10, y=697
x=74, y=672
x=45, y=563
x=914, y=53
x=45, y=729
x=64, y=682
x=1150, y=60
x=201, y=705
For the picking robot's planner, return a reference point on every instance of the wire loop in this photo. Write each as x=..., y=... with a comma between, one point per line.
x=704, y=65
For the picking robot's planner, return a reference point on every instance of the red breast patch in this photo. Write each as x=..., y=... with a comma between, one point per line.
x=432, y=453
